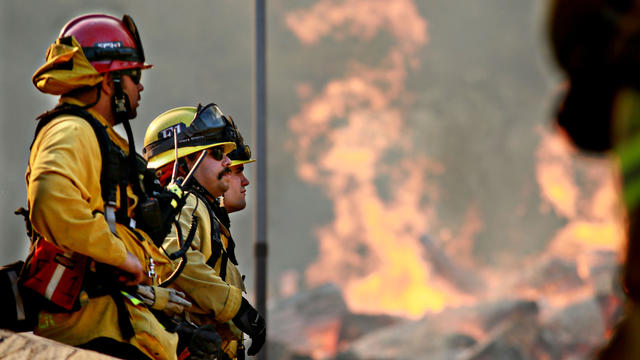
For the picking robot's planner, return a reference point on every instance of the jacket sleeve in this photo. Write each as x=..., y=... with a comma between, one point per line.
x=63, y=181
x=198, y=280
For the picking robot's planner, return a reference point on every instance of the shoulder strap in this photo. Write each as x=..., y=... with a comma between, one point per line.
x=225, y=224
x=217, y=248
x=112, y=155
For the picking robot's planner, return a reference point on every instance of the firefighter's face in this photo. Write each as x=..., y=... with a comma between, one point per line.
x=234, y=198
x=213, y=174
x=132, y=89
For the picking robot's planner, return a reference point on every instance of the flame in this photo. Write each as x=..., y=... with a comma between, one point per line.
x=593, y=210
x=351, y=137
x=351, y=140
x=324, y=339
x=361, y=18
x=555, y=175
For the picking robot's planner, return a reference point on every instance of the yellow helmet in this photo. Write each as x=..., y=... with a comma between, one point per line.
x=197, y=129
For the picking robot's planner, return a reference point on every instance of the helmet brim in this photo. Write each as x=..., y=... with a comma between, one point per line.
x=169, y=155
x=241, y=162
x=115, y=65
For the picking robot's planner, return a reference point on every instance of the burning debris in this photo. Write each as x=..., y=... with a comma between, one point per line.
x=318, y=325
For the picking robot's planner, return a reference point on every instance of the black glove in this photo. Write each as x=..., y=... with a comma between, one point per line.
x=205, y=344
x=251, y=323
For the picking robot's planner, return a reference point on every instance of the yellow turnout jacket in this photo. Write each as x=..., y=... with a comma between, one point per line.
x=67, y=209
x=215, y=301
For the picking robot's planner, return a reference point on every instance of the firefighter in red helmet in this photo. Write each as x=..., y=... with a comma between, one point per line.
x=88, y=197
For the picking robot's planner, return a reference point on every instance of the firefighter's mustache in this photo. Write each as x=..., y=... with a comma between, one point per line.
x=223, y=173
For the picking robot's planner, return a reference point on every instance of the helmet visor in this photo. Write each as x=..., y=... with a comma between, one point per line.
x=209, y=120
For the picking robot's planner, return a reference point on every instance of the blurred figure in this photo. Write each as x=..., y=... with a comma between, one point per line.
x=597, y=44
x=84, y=187
x=194, y=140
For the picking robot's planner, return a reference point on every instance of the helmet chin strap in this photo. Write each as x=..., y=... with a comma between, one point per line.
x=119, y=101
x=121, y=109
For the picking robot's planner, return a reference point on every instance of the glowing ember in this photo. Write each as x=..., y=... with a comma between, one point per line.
x=324, y=339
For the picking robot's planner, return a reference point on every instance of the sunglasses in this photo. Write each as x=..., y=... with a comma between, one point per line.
x=134, y=74
x=216, y=152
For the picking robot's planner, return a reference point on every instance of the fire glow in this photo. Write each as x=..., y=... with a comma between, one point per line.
x=593, y=210
x=351, y=140
x=373, y=247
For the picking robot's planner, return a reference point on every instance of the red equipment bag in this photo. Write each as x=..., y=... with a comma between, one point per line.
x=56, y=274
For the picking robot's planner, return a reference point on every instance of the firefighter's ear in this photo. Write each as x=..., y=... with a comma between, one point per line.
x=106, y=86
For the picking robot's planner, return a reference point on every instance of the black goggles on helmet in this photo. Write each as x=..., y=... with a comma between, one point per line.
x=207, y=128
x=242, y=151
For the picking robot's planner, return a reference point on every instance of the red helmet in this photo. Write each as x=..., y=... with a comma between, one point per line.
x=110, y=44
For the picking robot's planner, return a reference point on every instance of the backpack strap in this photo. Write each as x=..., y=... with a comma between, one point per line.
x=225, y=225
x=113, y=157
x=217, y=248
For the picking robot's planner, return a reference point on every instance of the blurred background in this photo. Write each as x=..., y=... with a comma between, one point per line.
x=413, y=171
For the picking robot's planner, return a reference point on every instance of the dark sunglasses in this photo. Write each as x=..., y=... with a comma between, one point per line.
x=216, y=152
x=134, y=74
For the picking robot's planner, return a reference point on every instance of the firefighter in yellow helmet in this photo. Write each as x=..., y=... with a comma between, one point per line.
x=234, y=198
x=597, y=44
x=210, y=278
x=85, y=197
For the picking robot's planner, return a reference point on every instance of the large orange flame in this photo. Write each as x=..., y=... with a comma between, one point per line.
x=351, y=140
x=373, y=248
